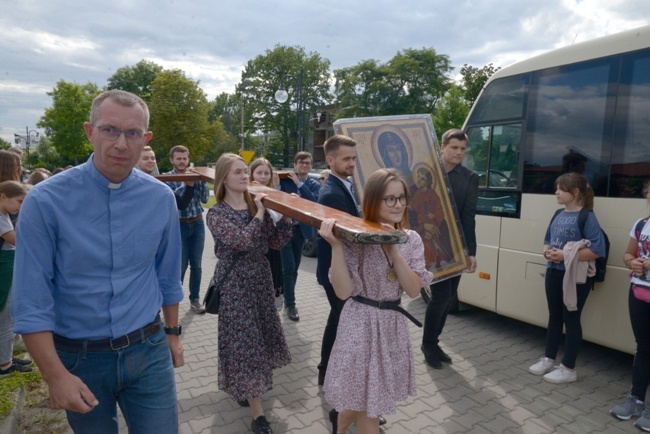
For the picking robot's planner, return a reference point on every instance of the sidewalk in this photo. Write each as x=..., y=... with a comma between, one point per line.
x=487, y=389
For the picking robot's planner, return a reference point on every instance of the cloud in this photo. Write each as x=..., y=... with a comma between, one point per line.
x=43, y=42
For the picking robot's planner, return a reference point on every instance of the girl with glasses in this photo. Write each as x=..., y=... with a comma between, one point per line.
x=371, y=367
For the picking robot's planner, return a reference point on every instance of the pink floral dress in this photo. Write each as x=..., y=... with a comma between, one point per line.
x=371, y=367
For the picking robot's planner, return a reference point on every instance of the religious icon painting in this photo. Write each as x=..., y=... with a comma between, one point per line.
x=409, y=145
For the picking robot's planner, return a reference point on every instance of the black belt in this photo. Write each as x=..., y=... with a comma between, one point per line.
x=115, y=344
x=389, y=305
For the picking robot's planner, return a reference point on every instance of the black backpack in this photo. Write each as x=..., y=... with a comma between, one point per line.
x=601, y=263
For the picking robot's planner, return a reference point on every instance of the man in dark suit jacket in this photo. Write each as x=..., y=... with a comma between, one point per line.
x=301, y=184
x=340, y=154
x=464, y=185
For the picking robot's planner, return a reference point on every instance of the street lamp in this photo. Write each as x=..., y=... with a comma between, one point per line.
x=282, y=96
x=244, y=84
x=28, y=140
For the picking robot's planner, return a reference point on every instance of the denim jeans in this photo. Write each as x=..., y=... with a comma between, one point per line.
x=291, y=257
x=559, y=316
x=437, y=310
x=140, y=378
x=640, y=319
x=192, y=240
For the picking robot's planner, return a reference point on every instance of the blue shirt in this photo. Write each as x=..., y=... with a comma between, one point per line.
x=565, y=228
x=201, y=194
x=95, y=259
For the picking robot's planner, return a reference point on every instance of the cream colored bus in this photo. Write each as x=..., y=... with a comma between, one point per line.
x=584, y=108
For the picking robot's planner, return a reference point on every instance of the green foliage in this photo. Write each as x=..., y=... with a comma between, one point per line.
x=11, y=384
x=474, y=79
x=46, y=156
x=63, y=122
x=4, y=144
x=411, y=82
x=452, y=110
x=264, y=75
x=137, y=79
x=179, y=116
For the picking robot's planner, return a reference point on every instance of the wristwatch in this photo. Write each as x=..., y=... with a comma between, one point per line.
x=176, y=330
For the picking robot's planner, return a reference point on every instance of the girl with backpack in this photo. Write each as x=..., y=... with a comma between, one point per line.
x=637, y=259
x=560, y=249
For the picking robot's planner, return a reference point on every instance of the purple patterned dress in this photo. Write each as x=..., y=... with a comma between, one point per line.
x=251, y=339
x=371, y=367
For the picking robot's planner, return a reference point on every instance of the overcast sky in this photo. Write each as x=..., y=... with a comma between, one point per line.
x=44, y=41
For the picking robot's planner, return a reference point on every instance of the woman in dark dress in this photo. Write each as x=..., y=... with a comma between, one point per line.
x=251, y=339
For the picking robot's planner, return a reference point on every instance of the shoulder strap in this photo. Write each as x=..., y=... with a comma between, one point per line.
x=557, y=211
x=582, y=220
x=639, y=227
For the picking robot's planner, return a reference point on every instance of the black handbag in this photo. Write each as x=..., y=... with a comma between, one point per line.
x=212, y=298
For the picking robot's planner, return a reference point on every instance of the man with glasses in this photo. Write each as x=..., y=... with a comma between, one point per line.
x=97, y=257
x=192, y=226
x=464, y=185
x=301, y=184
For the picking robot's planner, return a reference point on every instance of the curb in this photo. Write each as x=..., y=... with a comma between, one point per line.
x=10, y=424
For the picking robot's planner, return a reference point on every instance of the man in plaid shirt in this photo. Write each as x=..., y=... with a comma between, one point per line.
x=192, y=226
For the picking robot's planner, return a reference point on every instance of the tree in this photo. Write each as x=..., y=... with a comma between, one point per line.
x=137, y=79
x=451, y=111
x=46, y=155
x=411, y=82
x=474, y=79
x=4, y=144
x=264, y=75
x=179, y=116
x=63, y=122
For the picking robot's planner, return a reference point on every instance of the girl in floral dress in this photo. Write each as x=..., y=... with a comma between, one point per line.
x=371, y=367
x=251, y=339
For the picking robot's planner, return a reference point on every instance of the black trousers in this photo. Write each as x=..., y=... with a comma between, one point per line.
x=329, y=336
x=437, y=311
x=559, y=317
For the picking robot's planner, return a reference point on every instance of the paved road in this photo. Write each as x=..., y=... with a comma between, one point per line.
x=487, y=389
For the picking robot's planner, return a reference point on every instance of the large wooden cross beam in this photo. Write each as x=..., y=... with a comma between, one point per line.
x=347, y=227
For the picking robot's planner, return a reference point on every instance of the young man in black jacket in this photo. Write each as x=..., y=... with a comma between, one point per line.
x=464, y=185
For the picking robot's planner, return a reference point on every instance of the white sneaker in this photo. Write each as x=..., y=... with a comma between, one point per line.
x=543, y=365
x=561, y=374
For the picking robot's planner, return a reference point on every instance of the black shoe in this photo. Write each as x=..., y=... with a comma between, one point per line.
x=433, y=360
x=244, y=403
x=444, y=357
x=261, y=426
x=23, y=362
x=15, y=367
x=321, y=377
x=292, y=313
x=382, y=421
x=334, y=419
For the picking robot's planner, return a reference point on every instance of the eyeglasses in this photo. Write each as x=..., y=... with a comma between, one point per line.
x=391, y=201
x=303, y=163
x=112, y=133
